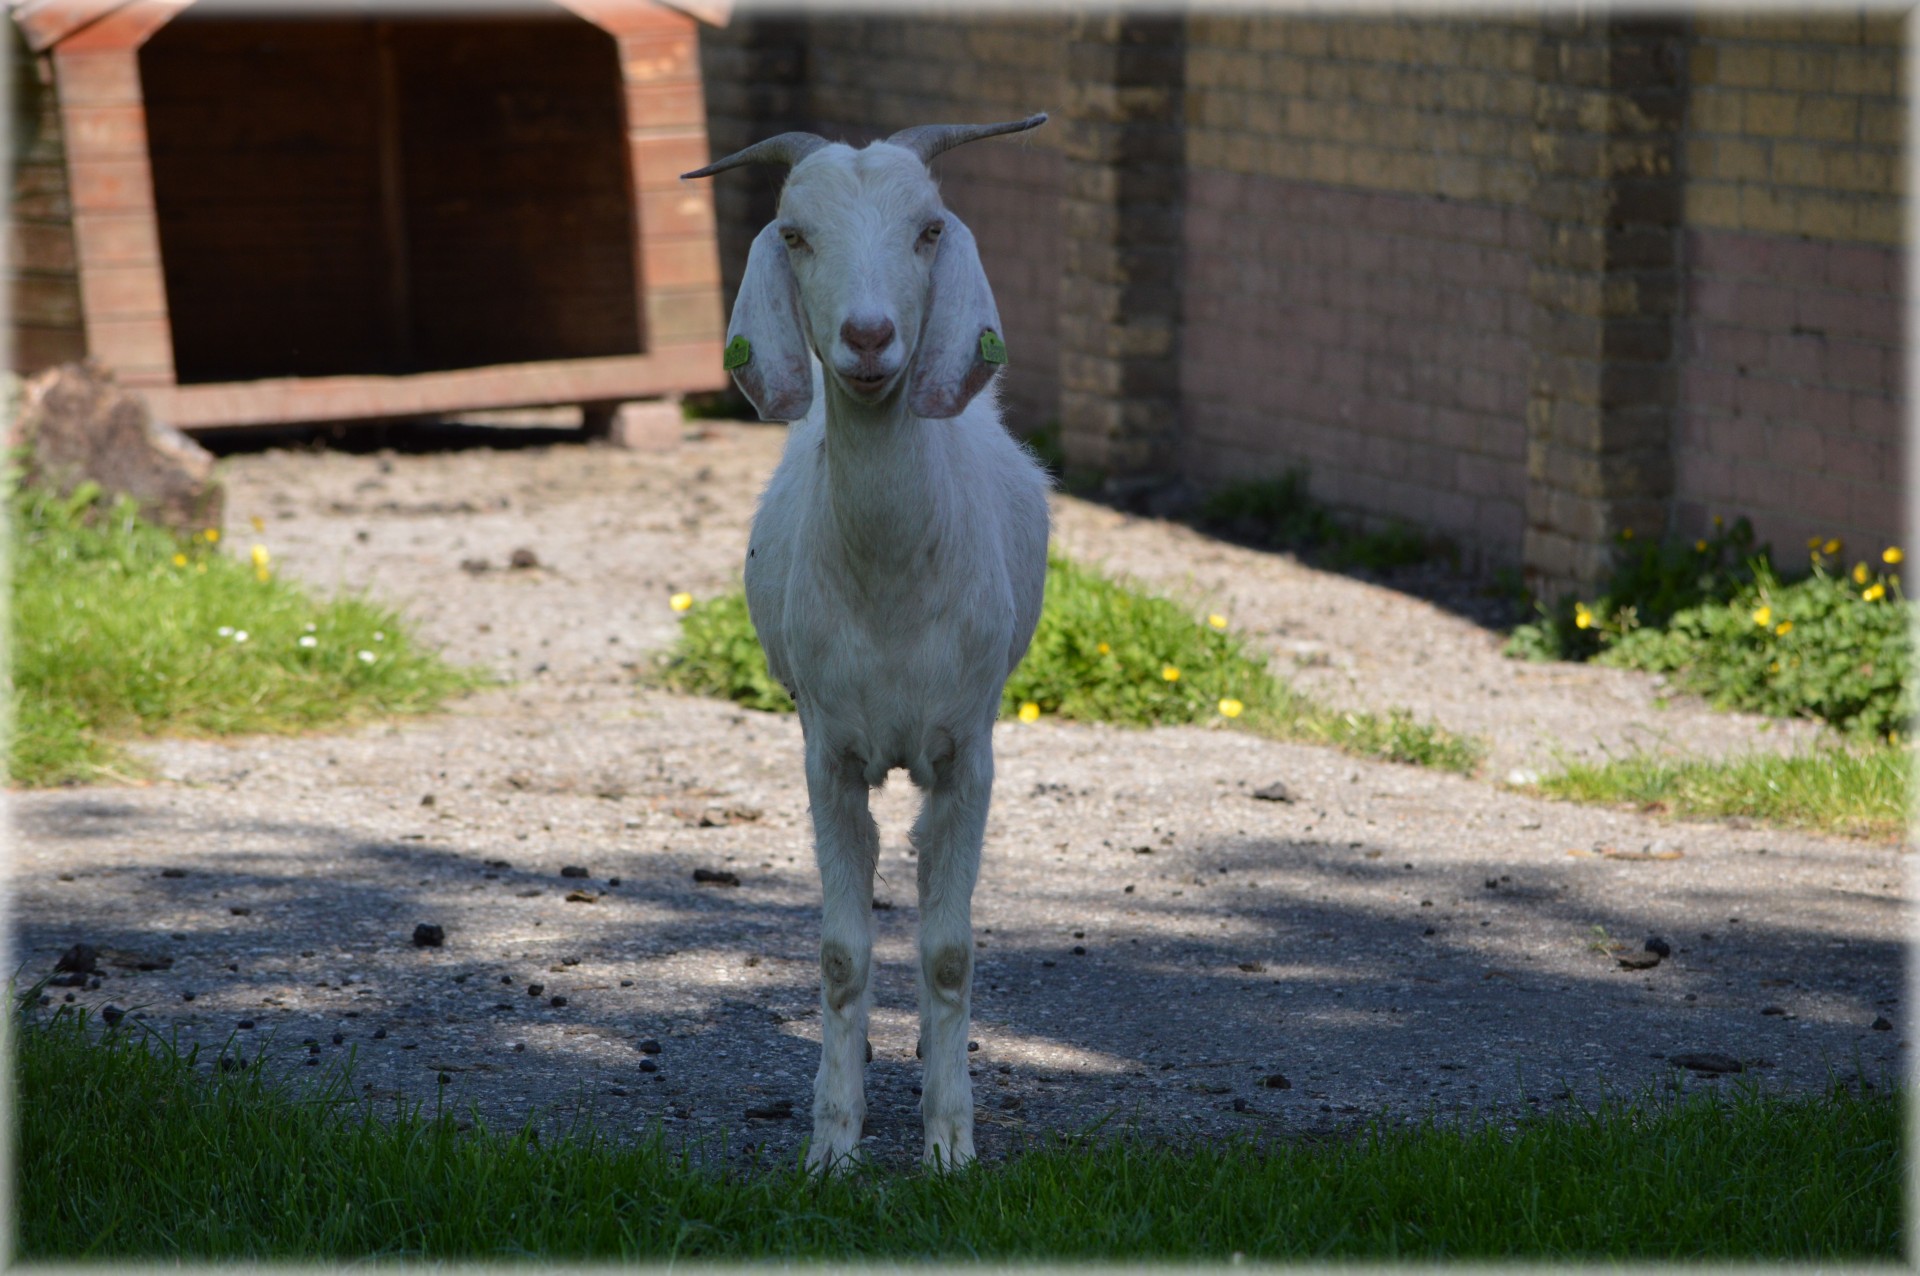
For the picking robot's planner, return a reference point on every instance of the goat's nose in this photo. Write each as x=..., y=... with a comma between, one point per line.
x=868, y=335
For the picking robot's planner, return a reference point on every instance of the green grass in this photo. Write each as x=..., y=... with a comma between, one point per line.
x=1103, y=652
x=125, y=1151
x=1280, y=513
x=1857, y=792
x=117, y=630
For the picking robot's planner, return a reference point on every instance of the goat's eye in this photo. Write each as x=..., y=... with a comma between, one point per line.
x=932, y=232
x=792, y=238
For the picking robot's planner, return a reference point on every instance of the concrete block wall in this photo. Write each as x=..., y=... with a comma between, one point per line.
x=1791, y=399
x=1527, y=279
x=1357, y=239
x=43, y=272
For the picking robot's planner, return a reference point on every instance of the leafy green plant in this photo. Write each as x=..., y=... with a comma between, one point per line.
x=120, y=627
x=718, y=654
x=1720, y=620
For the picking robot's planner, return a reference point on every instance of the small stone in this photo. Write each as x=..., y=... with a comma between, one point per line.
x=245, y=1025
x=427, y=935
x=648, y=1065
x=1521, y=777
x=379, y=1034
x=82, y=959
x=649, y=1046
x=1773, y=1010
x=715, y=877
x=523, y=559
x=240, y=911
x=187, y=995
x=506, y=979
x=626, y=983
x=1079, y=950
x=173, y=872
x=613, y=881
x=427, y=800
x=556, y=1001
x=573, y=870
x=475, y=566
x=112, y=1015
x=1655, y=944
x=534, y=990
x=339, y=1038
x=1276, y=1081
x=445, y=1079
x=1241, y=1105
x=1639, y=961
x=1882, y=1024
x=1429, y=931
x=1708, y=1061
x=1275, y=792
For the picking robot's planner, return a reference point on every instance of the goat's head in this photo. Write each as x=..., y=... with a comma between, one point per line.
x=865, y=267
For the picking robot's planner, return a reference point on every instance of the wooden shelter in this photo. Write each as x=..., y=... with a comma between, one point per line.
x=380, y=212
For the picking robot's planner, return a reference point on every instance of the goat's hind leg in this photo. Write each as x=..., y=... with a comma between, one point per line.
x=948, y=835
x=847, y=846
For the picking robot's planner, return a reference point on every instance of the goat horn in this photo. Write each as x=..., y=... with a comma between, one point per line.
x=928, y=140
x=787, y=148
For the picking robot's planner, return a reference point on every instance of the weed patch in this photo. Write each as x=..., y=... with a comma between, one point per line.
x=1102, y=653
x=1721, y=620
x=1279, y=513
x=119, y=627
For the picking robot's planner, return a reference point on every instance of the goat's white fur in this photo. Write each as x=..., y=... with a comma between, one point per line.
x=894, y=574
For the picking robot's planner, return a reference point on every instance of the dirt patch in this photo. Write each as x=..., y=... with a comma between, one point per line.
x=1155, y=942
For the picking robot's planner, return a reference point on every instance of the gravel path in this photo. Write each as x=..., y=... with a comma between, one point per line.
x=1156, y=943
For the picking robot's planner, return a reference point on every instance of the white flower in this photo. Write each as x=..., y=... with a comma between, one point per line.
x=311, y=627
x=239, y=635
x=378, y=636
x=367, y=657
x=308, y=640
x=226, y=631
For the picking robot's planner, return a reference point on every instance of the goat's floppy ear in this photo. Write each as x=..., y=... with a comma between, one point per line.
x=766, y=340
x=960, y=343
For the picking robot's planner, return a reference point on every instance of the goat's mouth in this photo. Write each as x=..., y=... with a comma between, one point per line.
x=867, y=385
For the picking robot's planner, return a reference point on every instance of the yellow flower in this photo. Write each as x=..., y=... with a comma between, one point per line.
x=1784, y=628
x=1217, y=620
x=1700, y=546
x=1103, y=649
x=1859, y=573
x=1813, y=543
x=212, y=534
x=260, y=556
x=1891, y=556
x=1774, y=667
x=1763, y=616
x=1582, y=616
x=1874, y=592
x=1231, y=708
x=179, y=560
x=1626, y=533
x=1029, y=712
x=1718, y=521
x=680, y=602
x=259, y=524
x=1831, y=547
x=1169, y=673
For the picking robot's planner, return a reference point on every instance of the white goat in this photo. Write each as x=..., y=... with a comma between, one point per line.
x=895, y=566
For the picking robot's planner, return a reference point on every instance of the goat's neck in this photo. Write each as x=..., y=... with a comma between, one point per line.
x=887, y=480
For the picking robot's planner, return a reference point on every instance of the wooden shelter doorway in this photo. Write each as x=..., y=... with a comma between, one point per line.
x=342, y=195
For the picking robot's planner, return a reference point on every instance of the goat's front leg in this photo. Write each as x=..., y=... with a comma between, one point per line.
x=847, y=846
x=948, y=834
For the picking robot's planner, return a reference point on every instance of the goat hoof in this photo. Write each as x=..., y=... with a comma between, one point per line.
x=835, y=1145
x=951, y=1148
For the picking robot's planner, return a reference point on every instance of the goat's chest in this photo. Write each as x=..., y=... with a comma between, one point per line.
x=925, y=652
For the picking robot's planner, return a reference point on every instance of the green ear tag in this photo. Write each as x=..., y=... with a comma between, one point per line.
x=992, y=349
x=739, y=352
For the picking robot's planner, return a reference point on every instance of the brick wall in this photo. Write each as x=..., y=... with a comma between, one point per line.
x=43, y=281
x=1791, y=397
x=1356, y=257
